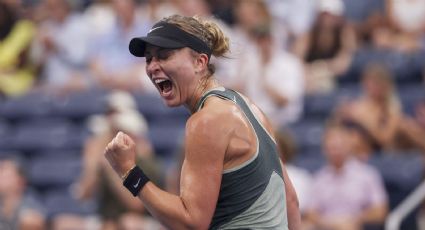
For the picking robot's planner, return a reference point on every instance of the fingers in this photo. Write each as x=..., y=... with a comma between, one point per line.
x=120, y=142
x=124, y=140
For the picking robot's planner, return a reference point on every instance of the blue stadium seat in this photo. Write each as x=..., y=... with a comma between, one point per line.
x=166, y=138
x=150, y=105
x=53, y=171
x=312, y=160
x=410, y=95
x=319, y=106
x=79, y=105
x=406, y=68
x=5, y=135
x=27, y=106
x=307, y=135
x=401, y=171
x=154, y=109
x=61, y=201
x=44, y=134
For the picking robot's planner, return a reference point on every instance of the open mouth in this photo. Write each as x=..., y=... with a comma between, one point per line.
x=164, y=85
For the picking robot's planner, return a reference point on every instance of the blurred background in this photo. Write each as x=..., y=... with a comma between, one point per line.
x=342, y=81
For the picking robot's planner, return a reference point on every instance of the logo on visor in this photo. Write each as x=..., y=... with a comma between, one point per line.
x=150, y=31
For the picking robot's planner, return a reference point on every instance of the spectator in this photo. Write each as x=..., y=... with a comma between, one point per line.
x=347, y=193
x=327, y=49
x=61, y=48
x=16, y=70
x=413, y=128
x=295, y=16
x=19, y=209
x=250, y=14
x=110, y=64
x=116, y=204
x=375, y=116
x=274, y=79
x=408, y=18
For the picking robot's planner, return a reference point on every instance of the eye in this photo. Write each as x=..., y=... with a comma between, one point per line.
x=164, y=54
x=148, y=58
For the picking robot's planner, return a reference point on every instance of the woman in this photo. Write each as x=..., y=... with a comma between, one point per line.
x=231, y=176
x=16, y=70
x=327, y=49
x=373, y=118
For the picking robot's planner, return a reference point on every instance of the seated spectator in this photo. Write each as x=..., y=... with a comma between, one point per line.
x=98, y=179
x=327, y=49
x=61, y=47
x=413, y=128
x=300, y=178
x=16, y=34
x=348, y=193
x=19, y=209
x=111, y=66
x=375, y=116
x=408, y=19
x=277, y=88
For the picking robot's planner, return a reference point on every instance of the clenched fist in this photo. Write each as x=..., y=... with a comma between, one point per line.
x=121, y=153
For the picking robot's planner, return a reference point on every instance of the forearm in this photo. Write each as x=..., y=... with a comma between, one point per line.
x=414, y=132
x=169, y=209
x=277, y=98
x=374, y=215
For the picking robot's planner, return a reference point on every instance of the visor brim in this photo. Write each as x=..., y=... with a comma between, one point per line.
x=137, y=46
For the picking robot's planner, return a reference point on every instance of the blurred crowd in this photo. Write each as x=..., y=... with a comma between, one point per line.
x=342, y=81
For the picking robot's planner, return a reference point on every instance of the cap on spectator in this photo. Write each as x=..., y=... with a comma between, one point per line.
x=334, y=7
x=131, y=122
x=120, y=101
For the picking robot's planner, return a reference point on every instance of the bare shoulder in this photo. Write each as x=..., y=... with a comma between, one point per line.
x=208, y=133
x=262, y=118
x=216, y=117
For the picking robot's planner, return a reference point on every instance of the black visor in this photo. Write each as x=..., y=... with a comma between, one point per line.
x=166, y=35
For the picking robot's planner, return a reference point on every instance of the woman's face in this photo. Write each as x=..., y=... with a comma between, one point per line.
x=172, y=71
x=375, y=88
x=10, y=180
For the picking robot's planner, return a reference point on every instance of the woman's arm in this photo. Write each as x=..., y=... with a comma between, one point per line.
x=206, y=143
x=292, y=204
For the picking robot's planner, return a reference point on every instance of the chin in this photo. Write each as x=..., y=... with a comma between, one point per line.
x=172, y=103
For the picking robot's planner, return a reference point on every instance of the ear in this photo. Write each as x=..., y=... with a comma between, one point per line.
x=201, y=62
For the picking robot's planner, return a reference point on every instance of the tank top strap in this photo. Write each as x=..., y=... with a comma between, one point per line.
x=235, y=97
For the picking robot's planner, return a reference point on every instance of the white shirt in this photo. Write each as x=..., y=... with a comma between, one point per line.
x=284, y=73
x=72, y=40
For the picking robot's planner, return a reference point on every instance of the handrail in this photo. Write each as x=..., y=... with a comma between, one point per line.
x=394, y=219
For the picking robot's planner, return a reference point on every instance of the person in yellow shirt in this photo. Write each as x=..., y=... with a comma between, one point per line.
x=16, y=72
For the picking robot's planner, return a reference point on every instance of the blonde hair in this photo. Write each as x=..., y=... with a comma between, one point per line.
x=381, y=74
x=206, y=30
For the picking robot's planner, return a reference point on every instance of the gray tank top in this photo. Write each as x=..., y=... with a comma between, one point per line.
x=252, y=195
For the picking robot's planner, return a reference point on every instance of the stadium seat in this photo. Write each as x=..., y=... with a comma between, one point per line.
x=27, y=106
x=79, y=105
x=410, y=95
x=307, y=135
x=61, y=201
x=401, y=171
x=312, y=160
x=53, y=171
x=44, y=134
x=166, y=138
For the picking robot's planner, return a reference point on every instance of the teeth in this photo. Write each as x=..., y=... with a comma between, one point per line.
x=157, y=81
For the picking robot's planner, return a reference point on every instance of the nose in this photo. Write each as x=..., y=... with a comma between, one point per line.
x=152, y=67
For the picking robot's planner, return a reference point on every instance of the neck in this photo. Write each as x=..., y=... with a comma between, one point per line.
x=204, y=85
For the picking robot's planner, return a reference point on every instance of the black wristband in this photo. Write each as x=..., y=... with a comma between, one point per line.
x=135, y=180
